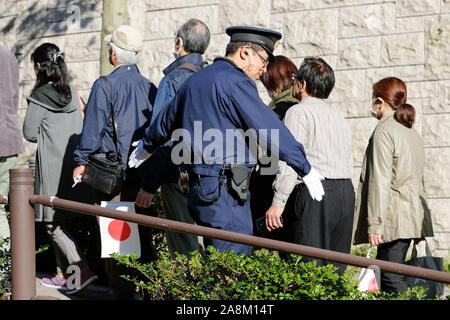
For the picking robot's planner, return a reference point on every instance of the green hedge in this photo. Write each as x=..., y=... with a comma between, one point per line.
x=262, y=275
x=5, y=267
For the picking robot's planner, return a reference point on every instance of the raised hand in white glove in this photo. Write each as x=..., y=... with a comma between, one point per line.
x=313, y=182
x=139, y=155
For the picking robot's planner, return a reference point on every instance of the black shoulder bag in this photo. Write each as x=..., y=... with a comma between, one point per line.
x=105, y=171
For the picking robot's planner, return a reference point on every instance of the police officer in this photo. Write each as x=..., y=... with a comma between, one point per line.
x=219, y=100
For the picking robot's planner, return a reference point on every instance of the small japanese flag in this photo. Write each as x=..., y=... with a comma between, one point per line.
x=119, y=236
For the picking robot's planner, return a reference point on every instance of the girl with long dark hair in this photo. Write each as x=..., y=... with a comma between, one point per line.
x=54, y=121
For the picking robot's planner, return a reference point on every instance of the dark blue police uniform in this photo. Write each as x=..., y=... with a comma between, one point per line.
x=221, y=99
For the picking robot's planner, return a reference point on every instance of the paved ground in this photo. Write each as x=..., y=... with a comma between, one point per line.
x=91, y=292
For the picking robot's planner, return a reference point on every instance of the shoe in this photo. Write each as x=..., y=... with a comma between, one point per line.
x=54, y=282
x=86, y=279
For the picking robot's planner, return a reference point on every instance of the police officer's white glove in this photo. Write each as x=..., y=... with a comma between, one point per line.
x=139, y=155
x=313, y=182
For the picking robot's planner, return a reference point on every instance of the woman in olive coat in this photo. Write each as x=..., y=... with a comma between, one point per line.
x=391, y=208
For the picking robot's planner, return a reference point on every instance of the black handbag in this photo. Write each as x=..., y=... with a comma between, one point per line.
x=434, y=288
x=105, y=171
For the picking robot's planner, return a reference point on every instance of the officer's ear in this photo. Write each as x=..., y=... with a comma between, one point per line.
x=244, y=53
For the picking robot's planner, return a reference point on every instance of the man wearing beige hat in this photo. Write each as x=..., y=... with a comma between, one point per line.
x=131, y=98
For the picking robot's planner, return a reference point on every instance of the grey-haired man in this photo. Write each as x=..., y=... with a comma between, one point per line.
x=132, y=96
x=190, y=43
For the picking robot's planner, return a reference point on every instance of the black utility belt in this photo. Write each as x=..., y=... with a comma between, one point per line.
x=237, y=178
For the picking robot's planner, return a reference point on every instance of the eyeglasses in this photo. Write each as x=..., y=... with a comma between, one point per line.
x=295, y=79
x=264, y=60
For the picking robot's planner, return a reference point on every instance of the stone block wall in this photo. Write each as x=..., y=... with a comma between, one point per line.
x=363, y=40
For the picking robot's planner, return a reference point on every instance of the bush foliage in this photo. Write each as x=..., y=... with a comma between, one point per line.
x=263, y=275
x=5, y=267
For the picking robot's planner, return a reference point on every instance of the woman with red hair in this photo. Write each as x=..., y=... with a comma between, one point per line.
x=278, y=82
x=391, y=208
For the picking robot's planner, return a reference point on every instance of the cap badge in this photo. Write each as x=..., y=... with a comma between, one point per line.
x=276, y=44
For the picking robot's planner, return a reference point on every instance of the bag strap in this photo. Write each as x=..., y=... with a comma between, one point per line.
x=368, y=252
x=427, y=250
x=114, y=119
x=188, y=66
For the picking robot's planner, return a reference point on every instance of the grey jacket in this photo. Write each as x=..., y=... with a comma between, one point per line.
x=10, y=139
x=56, y=129
x=391, y=199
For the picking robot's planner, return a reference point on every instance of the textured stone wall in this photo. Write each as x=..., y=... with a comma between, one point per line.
x=363, y=40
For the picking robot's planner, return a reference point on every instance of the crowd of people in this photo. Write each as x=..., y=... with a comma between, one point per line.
x=308, y=199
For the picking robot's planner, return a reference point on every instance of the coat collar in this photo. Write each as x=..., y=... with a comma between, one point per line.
x=231, y=62
x=311, y=99
x=125, y=67
x=192, y=58
x=286, y=95
x=387, y=116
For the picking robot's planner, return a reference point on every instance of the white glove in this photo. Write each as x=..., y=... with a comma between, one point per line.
x=312, y=182
x=139, y=155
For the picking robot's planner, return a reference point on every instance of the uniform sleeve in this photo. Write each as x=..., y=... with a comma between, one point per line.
x=379, y=186
x=159, y=163
x=157, y=169
x=286, y=178
x=163, y=125
x=32, y=122
x=255, y=114
x=94, y=124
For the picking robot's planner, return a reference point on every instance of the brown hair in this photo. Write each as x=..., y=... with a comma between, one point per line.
x=278, y=77
x=393, y=91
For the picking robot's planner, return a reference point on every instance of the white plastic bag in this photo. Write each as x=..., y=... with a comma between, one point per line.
x=369, y=278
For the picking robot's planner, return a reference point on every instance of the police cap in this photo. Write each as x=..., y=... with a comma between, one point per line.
x=268, y=39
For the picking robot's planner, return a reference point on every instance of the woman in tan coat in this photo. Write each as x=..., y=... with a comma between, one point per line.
x=391, y=208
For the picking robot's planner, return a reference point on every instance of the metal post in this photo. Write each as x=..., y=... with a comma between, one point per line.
x=23, y=263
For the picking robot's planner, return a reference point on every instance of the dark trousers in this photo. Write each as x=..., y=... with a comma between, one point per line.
x=326, y=224
x=394, y=251
x=225, y=213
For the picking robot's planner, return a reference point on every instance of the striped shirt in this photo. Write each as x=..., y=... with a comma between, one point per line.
x=327, y=140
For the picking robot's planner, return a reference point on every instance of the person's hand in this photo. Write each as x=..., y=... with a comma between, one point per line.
x=313, y=182
x=375, y=239
x=139, y=155
x=78, y=171
x=273, y=215
x=144, y=199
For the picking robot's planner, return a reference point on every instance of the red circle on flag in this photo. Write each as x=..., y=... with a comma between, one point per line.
x=119, y=230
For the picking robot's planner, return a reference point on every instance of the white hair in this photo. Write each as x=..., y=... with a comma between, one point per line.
x=125, y=56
